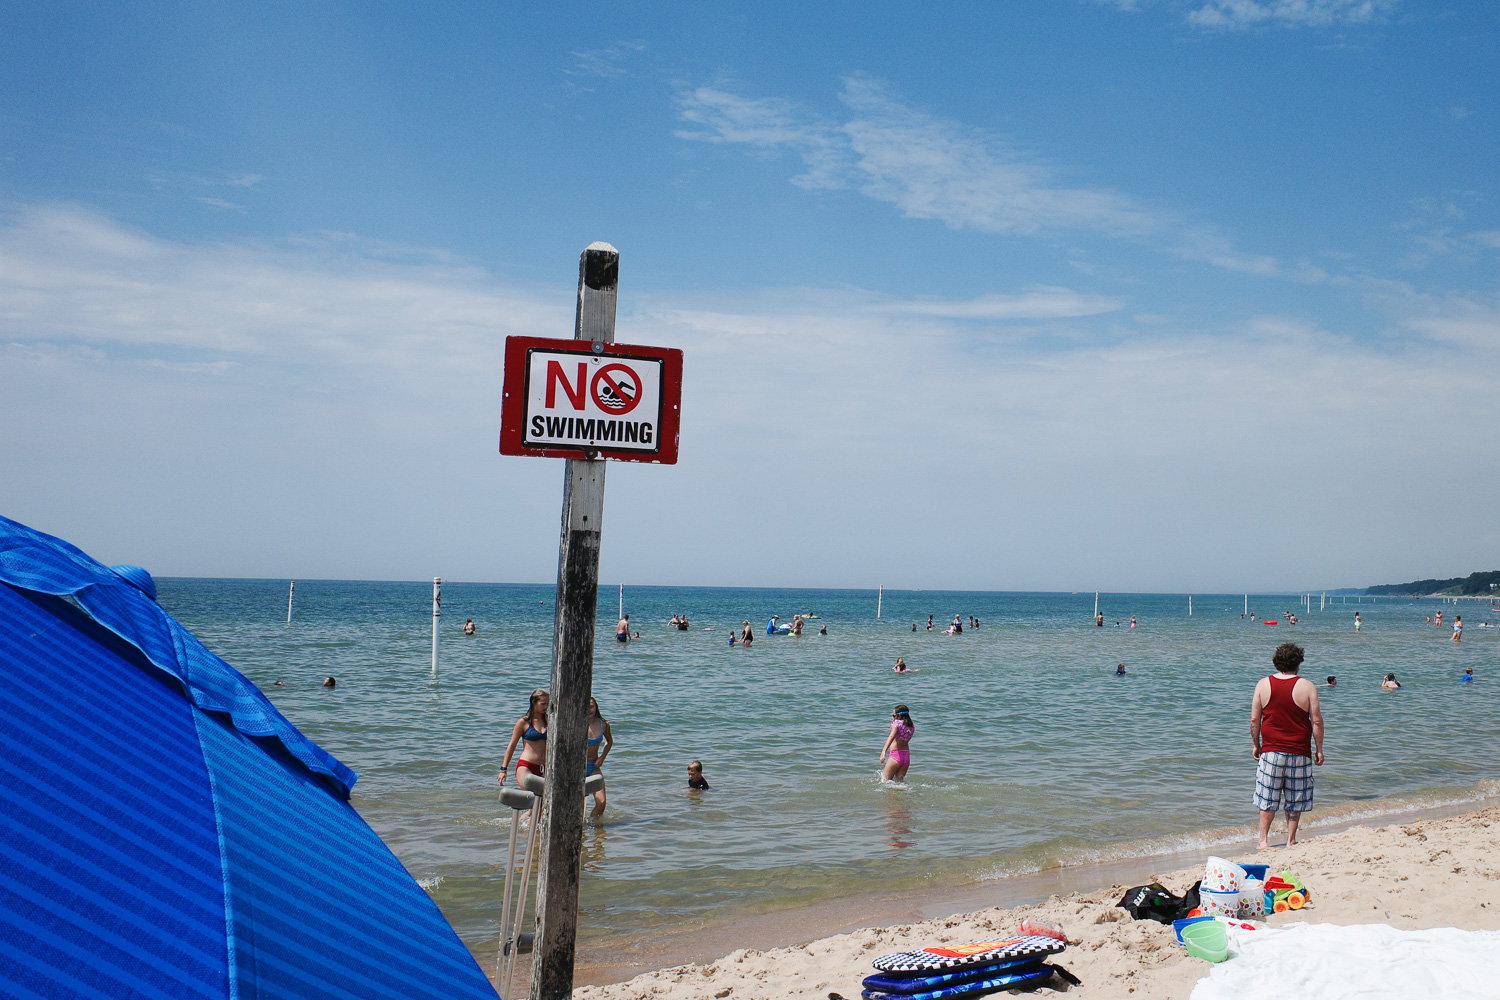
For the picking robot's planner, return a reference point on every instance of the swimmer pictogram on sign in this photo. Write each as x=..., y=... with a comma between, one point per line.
x=616, y=388
x=571, y=399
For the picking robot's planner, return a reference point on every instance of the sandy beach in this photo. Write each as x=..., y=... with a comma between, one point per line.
x=1421, y=873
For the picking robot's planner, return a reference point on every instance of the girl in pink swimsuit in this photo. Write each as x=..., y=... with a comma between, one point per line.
x=896, y=745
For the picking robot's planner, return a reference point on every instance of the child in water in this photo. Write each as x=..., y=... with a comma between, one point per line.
x=696, y=781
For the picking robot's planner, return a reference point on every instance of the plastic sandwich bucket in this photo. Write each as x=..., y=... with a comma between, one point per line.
x=1207, y=939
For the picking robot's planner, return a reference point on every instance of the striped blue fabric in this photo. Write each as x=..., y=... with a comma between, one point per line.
x=36, y=561
x=150, y=848
x=321, y=906
x=111, y=884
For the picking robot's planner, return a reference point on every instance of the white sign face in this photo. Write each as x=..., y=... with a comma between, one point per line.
x=584, y=400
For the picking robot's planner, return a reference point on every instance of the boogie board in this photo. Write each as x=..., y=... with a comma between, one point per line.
x=943, y=958
x=975, y=988
x=907, y=985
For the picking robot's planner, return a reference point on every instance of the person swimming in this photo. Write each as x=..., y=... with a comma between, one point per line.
x=530, y=731
x=330, y=683
x=1390, y=683
x=901, y=667
x=600, y=742
x=468, y=626
x=696, y=781
x=896, y=754
x=1120, y=670
x=823, y=630
x=1333, y=681
x=1468, y=674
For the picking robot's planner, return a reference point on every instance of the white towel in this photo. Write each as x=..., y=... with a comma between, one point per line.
x=1361, y=962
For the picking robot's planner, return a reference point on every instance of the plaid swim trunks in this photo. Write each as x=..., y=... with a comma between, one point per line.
x=1285, y=775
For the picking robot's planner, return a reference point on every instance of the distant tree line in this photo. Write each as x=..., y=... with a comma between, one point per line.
x=1459, y=586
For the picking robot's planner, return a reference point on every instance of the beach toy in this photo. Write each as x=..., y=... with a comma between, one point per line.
x=1253, y=900
x=944, y=958
x=1256, y=871
x=909, y=985
x=1208, y=940
x=978, y=987
x=1280, y=906
x=1222, y=876
x=1220, y=904
x=1042, y=928
x=1178, y=925
x=1296, y=900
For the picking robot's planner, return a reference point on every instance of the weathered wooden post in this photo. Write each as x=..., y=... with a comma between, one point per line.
x=586, y=400
x=290, y=590
x=572, y=663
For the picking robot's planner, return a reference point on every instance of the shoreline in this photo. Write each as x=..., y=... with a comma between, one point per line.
x=1424, y=868
x=611, y=963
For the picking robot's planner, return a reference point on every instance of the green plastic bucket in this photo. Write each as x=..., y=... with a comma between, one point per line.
x=1208, y=940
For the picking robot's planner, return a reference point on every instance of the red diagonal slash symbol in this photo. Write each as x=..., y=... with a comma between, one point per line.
x=622, y=393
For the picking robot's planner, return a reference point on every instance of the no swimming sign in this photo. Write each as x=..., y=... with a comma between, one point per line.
x=576, y=399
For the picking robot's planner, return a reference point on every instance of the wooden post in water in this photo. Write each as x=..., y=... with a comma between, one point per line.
x=572, y=664
x=1247, y=604
x=290, y=590
x=622, y=601
x=437, y=613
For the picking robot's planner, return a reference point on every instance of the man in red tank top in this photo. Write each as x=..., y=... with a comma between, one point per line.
x=1285, y=722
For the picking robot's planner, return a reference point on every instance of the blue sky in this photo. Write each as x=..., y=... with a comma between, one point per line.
x=1134, y=295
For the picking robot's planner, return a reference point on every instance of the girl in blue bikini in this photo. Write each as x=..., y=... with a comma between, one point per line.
x=531, y=732
x=600, y=743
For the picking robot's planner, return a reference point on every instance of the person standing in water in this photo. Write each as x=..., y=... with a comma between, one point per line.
x=530, y=731
x=1132, y=621
x=1285, y=722
x=468, y=626
x=1357, y=621
x=598, y=734
x=1458, y=628
x=898, y=745
x=747, y=636
x=622, y=629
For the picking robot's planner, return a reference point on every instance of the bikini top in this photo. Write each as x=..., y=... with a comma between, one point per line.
x=532, y=735
x=903, y=729
x=596, y=740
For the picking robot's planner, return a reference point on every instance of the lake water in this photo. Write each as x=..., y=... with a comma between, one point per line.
x=1028, y=752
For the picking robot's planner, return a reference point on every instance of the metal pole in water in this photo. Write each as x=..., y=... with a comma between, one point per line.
x=622, y=601
x=1190, y=605
x=437, y=612
x=879, y=600
x=289, y=592
x=1096, y=604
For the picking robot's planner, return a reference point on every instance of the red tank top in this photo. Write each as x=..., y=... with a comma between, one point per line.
x=1284, y=727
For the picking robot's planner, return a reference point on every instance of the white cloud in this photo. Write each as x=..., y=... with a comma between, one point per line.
x=1040, y=303
x=329, y=408
x=934, y=168
x=1237, y=14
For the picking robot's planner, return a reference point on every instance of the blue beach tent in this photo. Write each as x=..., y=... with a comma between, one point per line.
x=165, y=831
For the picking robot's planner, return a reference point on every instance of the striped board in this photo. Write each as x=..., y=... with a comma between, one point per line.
x=976, y=988
x=907, y=985
x=943, y=958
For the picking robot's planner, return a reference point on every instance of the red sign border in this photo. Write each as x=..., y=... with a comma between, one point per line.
x=513, y=401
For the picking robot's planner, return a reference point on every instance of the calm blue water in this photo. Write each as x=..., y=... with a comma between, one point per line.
x=1028, y=753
